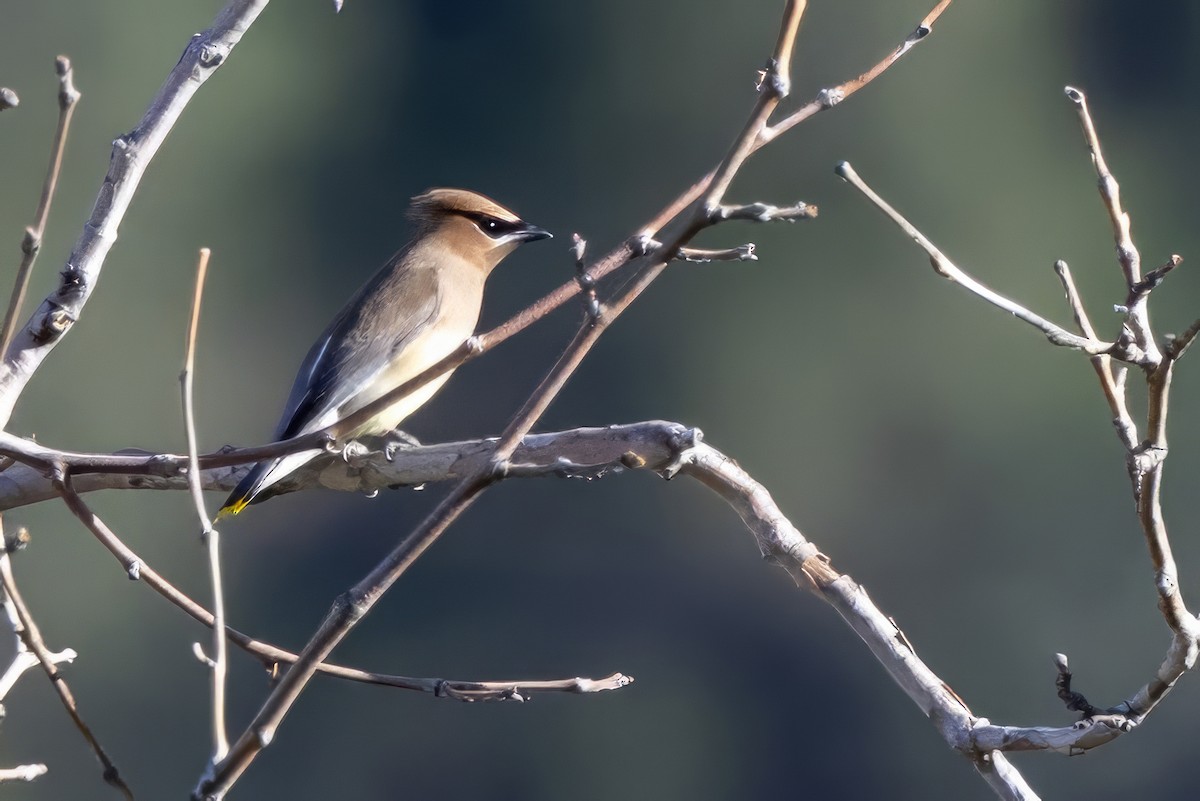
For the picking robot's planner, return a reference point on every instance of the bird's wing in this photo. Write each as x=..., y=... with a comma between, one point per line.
x=358, y=345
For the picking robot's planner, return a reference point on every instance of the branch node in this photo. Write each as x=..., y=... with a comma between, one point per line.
x=264, y=735
x=587, y=283
x=68, y=95
x=134, y=571
x=1166, y=584
x=31, y=242
x=1074, y=701
x=212, y=56
x=772, y=80
x=201, y=657
x=1177, y=344
x=830, y=97
x=16, y=540
x=1155, y=277
x=682, y=442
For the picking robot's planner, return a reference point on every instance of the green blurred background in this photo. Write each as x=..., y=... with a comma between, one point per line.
x=942, y=454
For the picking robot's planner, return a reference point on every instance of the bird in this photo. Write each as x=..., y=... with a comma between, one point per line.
x=416, y=310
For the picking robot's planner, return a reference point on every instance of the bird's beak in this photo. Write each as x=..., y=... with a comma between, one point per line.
x=531, y=233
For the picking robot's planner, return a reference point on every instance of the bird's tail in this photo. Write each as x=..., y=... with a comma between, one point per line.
x=257, y=484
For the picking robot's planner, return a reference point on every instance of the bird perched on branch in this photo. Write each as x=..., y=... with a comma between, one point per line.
x=414, y=312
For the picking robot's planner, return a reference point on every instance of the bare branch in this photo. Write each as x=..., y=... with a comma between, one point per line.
x=702, y=255
x=364, y=470
x=1137, y=317
x=186, y=380
x=948, y=270
x=1145, y=462
x=1181, y=342
x=272, y=656
x=22, y=773
x=68, y=96
x=1114, y=391
x=782, y=543
x=618, y=258
x=212, y=538
x=132, y=154
x=1156, y=276
x=765, y=212
x=830, y=97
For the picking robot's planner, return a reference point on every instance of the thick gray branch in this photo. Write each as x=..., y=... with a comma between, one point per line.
x=577, y=453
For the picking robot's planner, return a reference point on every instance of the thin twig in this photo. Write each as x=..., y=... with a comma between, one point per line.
x=703, y=255
x=951, y=272
x=32, y=638
x=1145, y=462
x=212, y=538
x=1181, y=342
x=271, y=656
x=1114, y=390
x=1136, y=315
x=31, y=243
x=825, y=99
x=765, y=212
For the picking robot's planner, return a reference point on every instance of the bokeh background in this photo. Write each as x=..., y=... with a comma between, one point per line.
x=941, y=453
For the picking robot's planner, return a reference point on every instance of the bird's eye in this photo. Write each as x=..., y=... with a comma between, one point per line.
x=493, y=226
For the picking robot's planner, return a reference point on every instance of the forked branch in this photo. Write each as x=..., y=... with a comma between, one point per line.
x=1137, y=345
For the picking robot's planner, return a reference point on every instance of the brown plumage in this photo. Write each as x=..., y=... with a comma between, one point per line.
x=411, y=314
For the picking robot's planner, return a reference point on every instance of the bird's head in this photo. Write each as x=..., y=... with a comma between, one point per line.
x=476, y=227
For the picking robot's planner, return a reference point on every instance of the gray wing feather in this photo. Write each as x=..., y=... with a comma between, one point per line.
x=379, y=321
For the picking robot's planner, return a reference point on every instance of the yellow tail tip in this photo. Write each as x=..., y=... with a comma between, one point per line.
x=231, y=509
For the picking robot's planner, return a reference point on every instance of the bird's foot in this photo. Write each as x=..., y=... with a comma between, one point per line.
x=354, y=450
x=399, y=440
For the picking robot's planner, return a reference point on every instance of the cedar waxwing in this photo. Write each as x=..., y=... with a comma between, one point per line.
x=414, y=312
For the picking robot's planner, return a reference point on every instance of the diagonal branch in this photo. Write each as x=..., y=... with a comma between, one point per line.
x=951, y=272
x=622, y=256
x=782, y=543
x=1136, y=315
x=1112, y=385
x=272, y=656
x=132, y=154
